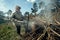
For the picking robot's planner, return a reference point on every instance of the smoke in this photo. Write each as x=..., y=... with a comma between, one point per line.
x=47, y=10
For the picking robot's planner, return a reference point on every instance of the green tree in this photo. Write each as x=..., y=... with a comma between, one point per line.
x=35, y=8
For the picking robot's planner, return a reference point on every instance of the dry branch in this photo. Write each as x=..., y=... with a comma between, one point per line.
x=55, y=32
x=57, y=22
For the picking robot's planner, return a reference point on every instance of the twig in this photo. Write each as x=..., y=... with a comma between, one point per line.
x=55, y=32
x=57, y=22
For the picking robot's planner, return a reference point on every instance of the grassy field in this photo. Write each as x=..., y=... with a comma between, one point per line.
x=8, y=32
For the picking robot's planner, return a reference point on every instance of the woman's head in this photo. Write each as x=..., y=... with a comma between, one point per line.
x=17, y=8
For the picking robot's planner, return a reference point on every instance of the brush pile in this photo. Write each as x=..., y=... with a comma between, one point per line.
x=42, y=30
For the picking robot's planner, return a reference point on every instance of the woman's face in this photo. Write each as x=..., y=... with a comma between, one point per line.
x=17, y=8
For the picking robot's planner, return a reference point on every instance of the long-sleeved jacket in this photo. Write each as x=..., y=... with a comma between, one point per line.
x=17, y=16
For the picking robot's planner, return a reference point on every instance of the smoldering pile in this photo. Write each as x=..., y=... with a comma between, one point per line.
x=42, y=30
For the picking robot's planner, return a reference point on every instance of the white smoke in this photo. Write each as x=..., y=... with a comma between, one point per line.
x=47, y=7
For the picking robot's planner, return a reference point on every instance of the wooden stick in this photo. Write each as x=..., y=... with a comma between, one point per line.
x=55, y=32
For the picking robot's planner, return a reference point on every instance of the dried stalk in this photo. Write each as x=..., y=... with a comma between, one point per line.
x=57, y=22
x=55, y=32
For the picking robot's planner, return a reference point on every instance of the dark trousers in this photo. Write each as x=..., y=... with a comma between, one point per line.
x=18, y=29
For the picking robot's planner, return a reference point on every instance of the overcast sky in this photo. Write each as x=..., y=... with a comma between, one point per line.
x=26, y=5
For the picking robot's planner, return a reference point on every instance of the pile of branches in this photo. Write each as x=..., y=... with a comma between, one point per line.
x=44, y=31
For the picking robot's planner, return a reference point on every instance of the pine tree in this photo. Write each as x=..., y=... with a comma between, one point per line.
x=35, y=8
